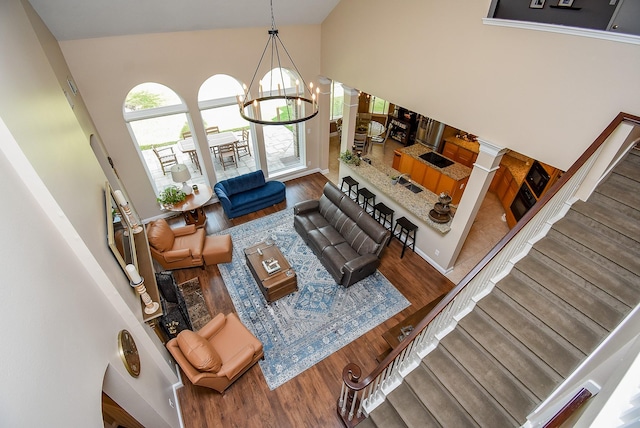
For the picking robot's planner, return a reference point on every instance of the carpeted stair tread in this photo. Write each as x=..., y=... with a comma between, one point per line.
x=441, y=404
x=616, y=286
x=621, y=189
x=534, y=373
x=596, y=257
x=629, y=167
x=492, y=376
x=385, y=416
x=567, y=324
x=545, y=343
x=622, y=240
x=598, y=306
x=605, y=210
x=482, y=407
x=367, y=423
x=410, y=408
x=625, y=253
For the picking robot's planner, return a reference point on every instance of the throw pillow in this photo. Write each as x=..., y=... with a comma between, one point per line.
x=199, y=351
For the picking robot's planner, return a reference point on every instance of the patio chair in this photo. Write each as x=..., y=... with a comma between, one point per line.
x=186, y=134
x=243, y=147
x=166, y=157
x=227, y=155
x=212, y=130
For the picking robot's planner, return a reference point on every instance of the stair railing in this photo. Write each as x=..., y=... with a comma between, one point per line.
x=358, y=397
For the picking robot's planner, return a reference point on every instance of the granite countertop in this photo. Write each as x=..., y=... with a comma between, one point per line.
x=516, y=163
x=457, y=171
x=418, y=204
x=473, y=146
x=517, y=167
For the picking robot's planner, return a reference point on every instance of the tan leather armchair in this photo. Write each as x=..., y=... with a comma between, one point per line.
x=177, y=248
x=218, y=354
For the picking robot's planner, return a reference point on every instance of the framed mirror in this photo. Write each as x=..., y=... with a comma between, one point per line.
x=119, y=236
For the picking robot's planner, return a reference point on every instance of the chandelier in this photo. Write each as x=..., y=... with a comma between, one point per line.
x=278, y=102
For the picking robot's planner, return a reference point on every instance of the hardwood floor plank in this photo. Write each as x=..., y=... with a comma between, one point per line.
x=310, y=398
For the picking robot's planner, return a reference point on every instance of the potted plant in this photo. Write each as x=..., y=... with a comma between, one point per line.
x=171, y=195
x=394, y=179
x=349, y=158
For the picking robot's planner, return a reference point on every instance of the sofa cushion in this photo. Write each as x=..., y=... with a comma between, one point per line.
x=199, y=351
x=160, y=235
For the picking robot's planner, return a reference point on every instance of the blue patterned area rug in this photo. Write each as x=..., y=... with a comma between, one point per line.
x=303, y=328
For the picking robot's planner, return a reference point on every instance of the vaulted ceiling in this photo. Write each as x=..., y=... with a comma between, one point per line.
x=82, y=19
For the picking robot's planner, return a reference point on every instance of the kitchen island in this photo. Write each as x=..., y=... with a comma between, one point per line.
x=434, y=243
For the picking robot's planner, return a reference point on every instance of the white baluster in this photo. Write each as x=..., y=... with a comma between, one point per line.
x=353, y=404
x=341, y=402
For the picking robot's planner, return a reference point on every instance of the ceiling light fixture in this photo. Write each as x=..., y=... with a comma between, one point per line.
x=279, y=102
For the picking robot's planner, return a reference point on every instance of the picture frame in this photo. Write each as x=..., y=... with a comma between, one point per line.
x=536, y=4
x=565, y=3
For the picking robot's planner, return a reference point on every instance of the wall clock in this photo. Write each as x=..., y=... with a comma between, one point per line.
x=129, y=353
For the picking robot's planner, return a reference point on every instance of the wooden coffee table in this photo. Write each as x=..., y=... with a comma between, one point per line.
x=273, y=285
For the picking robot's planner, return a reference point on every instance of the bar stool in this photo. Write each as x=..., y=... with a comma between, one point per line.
x=368, y=200
x=407, y=229
x=350, y=182
x=383, y=215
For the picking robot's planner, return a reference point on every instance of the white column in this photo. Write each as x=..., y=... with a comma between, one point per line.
x=484, y=169
x=349, y=114
x=323, y=119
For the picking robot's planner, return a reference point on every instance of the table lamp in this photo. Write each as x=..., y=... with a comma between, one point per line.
x=180, y=174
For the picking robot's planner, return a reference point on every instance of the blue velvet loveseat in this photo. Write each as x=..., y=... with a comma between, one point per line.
x=248, y=193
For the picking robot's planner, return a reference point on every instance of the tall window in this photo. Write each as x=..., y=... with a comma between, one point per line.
x=158, y=121
x=378, y=105
x=222, y=121
x=337, y=100
x=283, y=145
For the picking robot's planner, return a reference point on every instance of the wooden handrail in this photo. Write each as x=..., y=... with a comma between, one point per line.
x=569, y=409
x=351, y=373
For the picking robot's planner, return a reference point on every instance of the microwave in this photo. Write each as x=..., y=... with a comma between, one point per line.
x=537, y=178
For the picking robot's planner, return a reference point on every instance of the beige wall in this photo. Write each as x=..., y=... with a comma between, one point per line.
x=64, y=296
x=106, y=69
x=543, y=94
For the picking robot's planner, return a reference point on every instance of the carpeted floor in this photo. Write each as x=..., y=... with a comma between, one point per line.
x=198, y=312
x=301, y=329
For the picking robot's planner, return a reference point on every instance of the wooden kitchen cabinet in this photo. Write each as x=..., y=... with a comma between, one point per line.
x=504, y=183
x=459, y=154
x=418, y=171
x=493, y=187
x=431, y=179
x=465, y=157
x=406, y=164
x=450, y=150
x=509, y=195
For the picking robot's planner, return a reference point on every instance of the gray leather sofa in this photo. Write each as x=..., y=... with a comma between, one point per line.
x=346, y=239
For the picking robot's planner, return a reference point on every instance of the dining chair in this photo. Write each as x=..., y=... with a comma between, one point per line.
x=227, y=155
x=360, y=141
x=243, y=148
x=166, y=157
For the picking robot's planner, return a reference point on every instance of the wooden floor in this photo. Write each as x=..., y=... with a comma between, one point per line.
x=308, y=400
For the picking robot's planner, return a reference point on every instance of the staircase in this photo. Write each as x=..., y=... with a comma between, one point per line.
x=537, y=325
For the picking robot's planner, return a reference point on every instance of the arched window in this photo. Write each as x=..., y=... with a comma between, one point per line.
x=219, y=110
x=158, y=122
x=283, y=145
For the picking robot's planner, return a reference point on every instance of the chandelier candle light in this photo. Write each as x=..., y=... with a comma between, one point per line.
x=128, y=215
x=180, y=174
x=299, y=103
x=137, y=282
